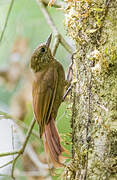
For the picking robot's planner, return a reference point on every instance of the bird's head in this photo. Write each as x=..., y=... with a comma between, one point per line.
x=41, y=56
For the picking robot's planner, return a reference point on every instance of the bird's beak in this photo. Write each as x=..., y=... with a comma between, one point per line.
x=49, y=40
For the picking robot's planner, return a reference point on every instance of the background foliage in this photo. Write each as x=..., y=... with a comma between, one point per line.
x=26, y=29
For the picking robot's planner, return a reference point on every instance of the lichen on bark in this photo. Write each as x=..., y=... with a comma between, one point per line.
x=92, y=24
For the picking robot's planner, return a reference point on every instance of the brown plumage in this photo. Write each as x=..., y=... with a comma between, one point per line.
x=48, y=90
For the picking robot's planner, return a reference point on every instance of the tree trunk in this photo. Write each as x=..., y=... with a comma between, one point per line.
x=93, y=26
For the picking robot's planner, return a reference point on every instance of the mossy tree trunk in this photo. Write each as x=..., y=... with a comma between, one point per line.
x=93, y=26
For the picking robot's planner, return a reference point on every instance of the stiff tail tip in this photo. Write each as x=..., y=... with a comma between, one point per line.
x=52, y=146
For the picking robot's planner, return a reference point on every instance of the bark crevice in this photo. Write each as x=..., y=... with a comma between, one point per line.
x=93, y=25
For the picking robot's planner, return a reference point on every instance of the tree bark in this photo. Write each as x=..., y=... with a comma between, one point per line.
x=92, y=24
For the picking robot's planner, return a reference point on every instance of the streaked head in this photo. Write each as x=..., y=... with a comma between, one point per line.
x=41, y=55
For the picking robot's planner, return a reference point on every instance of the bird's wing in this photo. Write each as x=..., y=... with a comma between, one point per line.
x=44, y=91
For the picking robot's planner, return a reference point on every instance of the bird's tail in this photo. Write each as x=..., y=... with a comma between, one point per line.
x=52, y=146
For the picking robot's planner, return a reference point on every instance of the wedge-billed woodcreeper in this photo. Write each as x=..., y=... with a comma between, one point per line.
x=47, y=92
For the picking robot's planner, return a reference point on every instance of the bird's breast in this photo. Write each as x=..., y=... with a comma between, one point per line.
x=44, y=79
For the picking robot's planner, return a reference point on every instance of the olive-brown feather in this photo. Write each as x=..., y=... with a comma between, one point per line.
x=47, y=93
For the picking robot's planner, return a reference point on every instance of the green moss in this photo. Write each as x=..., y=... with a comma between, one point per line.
x=92, y=25
x=112, y=138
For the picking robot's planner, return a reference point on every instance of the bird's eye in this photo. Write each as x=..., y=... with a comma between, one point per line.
x=42, y=49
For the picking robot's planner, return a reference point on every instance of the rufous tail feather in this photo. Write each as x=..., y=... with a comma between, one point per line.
x=53, y=148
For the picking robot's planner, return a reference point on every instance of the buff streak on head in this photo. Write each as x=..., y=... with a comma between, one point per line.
x=41, y=56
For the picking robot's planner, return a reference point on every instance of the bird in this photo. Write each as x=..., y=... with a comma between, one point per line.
x=47, y=95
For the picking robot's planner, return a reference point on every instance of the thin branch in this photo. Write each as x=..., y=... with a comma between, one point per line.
x=55, y=44
x=28, y=135
x=43, y=168
x=6, y=164
x=48, y=17
x=32, y=154
x=24, y=126
x=9, y=153
x=56, y=4
x=66, y=45
x=21, y=151
x=40, y=166
x=13, y=166
x=53, y=26
x=5, y=175
x=67, y=92
x=70, y=70
x=6, y=21
x=69, y=78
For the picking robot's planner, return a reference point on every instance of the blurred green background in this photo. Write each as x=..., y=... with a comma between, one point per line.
x=26, y=20
x=27, y=28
